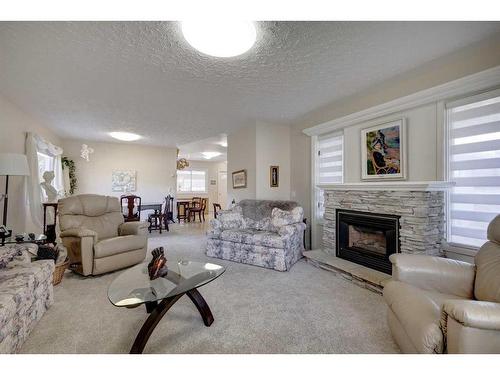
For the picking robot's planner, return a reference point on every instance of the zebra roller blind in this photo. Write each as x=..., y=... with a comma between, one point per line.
x=474, y=166
x=329, y=165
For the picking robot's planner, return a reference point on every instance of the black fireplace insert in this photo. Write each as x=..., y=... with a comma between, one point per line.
x=367, y=238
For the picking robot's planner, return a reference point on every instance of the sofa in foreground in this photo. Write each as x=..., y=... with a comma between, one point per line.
x=26, y=292
x=439, y=305
x=263, y=233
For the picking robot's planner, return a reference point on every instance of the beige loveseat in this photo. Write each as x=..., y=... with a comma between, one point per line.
x=96, y=237
x=439, y=305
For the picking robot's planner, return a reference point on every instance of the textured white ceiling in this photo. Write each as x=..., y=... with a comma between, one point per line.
x=85, y=79
x=194, y=150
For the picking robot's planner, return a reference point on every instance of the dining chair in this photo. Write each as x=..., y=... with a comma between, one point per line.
x=169, y=208
x=182, y=210
x=131, y=207
x=198, y=208
x=217, y=207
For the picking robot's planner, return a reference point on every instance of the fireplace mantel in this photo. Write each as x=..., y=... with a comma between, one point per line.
x=390, y=186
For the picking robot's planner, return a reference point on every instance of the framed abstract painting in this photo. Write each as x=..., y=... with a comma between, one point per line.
x=383, y=151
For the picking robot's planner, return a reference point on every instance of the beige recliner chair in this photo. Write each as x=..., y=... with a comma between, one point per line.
x=96, y=237
x=439, y=305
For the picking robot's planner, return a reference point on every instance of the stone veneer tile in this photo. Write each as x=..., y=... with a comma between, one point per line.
x=421, y=212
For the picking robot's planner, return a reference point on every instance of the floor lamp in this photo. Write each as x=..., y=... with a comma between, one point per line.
x=11, y=165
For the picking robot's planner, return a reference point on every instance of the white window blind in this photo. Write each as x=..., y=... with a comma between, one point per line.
x=474, y=166
x=329, y=164
x=191, y=181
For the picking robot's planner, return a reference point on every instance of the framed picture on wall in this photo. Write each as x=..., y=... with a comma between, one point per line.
x=383, y=151
x=274, y=175
x=123, y=181
x=240, y=179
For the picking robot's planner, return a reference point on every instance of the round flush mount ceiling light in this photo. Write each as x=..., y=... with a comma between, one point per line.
x=210, y=154
x=220, y=38
x=124, y=136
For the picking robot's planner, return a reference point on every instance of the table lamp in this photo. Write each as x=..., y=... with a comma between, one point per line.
x=11, y=165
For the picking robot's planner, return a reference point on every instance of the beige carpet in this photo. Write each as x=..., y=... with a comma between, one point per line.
x=256, y=310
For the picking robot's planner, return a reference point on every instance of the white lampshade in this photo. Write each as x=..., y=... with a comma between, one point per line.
x=13, y=165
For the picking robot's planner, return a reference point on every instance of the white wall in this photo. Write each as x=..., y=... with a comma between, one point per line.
x=272, y=148
x=14, y=124
x=255, y=148
x=421, y=135
x=155, y=166
x=241, y=154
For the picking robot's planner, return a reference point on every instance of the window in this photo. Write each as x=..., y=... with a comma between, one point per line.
x=329, y=165
x=191, y=181
x=473, y=127
x=45, y=163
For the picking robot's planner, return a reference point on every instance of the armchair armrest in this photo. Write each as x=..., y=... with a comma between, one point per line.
x=79, y=233
x=442, y=275
x=216, y=224
x=132, y=228
x=293, y=235
x=79, y=243
x=471, y=326
x=290, y=229
x=470, y=313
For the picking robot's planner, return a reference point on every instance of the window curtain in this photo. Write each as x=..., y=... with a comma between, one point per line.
x=34, y=145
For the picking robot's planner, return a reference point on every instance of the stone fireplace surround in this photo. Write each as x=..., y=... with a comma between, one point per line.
x=420, y=205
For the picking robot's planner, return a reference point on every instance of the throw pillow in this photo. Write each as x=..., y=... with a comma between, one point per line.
x=231, y=219
x=281, y=217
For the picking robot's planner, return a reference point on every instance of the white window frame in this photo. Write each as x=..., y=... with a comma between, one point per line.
x=443, y=107
x=193, y=170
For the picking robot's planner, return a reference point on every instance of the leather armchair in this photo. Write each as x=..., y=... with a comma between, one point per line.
x=439, y=305
x=96, y=237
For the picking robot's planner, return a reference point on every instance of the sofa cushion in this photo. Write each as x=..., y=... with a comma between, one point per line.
x=281, y=217
x=238, y=235
x=117, y=245
x=419, y=312
x=254, y=237
x=231, y=219
x=263, y=224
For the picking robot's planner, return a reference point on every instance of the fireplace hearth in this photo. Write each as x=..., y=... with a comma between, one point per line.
x=367, y=238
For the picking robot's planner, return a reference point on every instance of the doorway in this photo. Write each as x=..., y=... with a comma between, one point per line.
x=222, y=189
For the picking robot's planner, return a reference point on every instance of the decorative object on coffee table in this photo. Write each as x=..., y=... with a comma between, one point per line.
x=133, y=288
x=158, y=265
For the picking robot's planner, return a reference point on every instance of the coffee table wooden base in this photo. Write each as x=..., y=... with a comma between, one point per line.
x=157, y=312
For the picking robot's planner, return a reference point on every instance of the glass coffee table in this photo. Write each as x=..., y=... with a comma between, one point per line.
x=134, y=288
